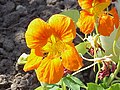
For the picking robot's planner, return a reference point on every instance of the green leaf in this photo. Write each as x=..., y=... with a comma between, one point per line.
x=41, y=88
x=114, y=87
x=74, y=14
x=55, y=88
x=52, y=86
x=94, y=86
x=107, y=44
x=73, y=82
x=81, y=48
x=104, y=85
x=117, y=4
x=48, y=87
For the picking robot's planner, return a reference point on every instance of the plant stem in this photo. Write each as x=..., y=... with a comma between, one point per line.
x=84, y=69
x=96, y=79
x=63, y=85
x=116, y=39
x=44, y=85
x=95, y=54
x=96, y=28
x=79, y=36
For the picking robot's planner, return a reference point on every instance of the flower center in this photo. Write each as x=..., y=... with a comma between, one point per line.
x=54, y=47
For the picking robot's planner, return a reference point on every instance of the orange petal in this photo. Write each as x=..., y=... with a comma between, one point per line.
x=63, y=27
x=71, y=59
x=37, y=33
x=85, y=4
x=116, y=17
x=106, y=25
x=33, y=61
x=50, y=71
x=86, y=22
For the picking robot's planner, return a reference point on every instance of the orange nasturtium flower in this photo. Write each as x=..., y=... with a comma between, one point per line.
x=93, y=11
x=52, y=49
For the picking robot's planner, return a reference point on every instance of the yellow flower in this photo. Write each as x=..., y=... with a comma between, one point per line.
x=52, y=48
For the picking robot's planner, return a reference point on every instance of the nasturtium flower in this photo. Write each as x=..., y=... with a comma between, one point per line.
x=52, y=49
x=93, y=12
x=94, y=6
x=107, y=21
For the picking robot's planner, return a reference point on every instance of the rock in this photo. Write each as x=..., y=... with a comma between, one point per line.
x=60, y=5
x=70, y=3
x=19, y=35
x=6, y=66
x=8, y=7
x=23, y=83
x=41, y=8
x=3, y=52
x=3, y=82
x=3, y=1
x=8, y=44
x=22, y=10
x=3, y=79
x=1, y=40
x=51, y=1
x=14, y=86
x=40, y=2
x=20, y=83
x=1, y=14
x=1, y=21
x=11, y=19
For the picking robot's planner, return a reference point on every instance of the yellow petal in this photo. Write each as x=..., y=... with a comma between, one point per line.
x=100, y=5
x=37, y=33
x=85, y=4
x=71, y=59
x=33, y=61
x=86, y=22
x=50, y=70
x=63, y=27
x=106, y=25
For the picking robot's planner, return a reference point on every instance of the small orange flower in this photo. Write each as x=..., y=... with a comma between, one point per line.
x=52, y=48
x=93, y=11
x=107, y=21
x=106, y=25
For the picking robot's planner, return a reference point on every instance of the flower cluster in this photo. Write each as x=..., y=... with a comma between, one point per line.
x=93, y=12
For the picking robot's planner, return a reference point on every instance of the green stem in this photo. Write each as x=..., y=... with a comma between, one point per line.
x=96, y=28
x=44, y=85
x=63, y=85
x=118, y=78
x=115, y=81
x=96, y=79
x=113, y=75
x=116, y=39
x=95, y=54
x=80, y=36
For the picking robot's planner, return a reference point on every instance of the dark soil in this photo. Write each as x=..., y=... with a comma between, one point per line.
x=15, y=16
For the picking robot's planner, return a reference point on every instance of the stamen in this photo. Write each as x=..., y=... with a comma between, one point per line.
x=45, y=55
